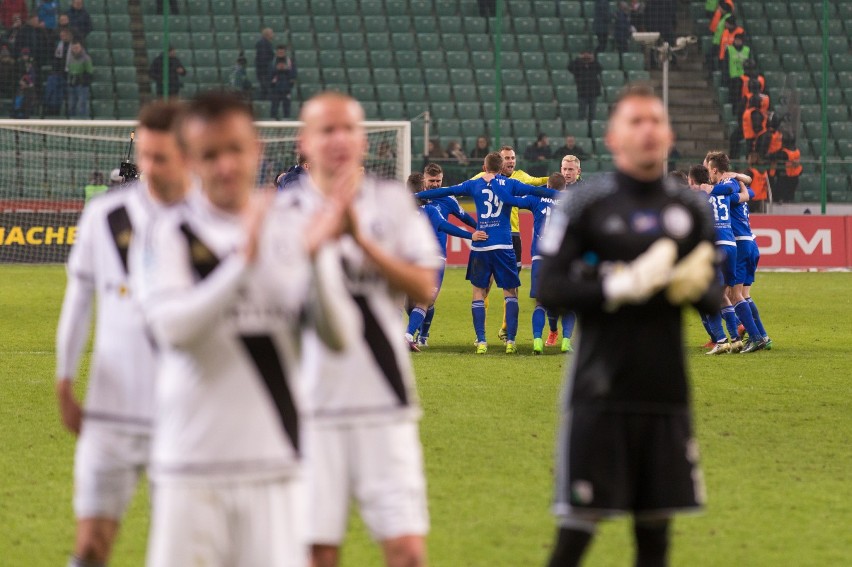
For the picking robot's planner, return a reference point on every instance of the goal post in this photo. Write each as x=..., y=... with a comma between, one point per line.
x=46, y=165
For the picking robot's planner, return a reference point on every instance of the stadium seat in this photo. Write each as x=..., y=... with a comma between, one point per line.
x=439, y=92
x=545, y=110
x=557, y=61
x=443, y=110
x=121, y=57
x=103, y=109
x=787, y=44
x=807, y=28
x=391, y=110
x=124, y=74
x=463, y=90
x=609, y=61
x=398, y=23
x=356, y=59
x=612, y=78
x=205, y=58
x=537, y=77
x=529, y=43
x=413, y=93
x=483, y=60
x=388, y=93
x=458, y=60
x=469, y=110
x=412, y=76
x=403, y=41
x=358, y=75
x=429, y=41
x=511, y=60
x=570, y=9
x=520, y=111
x=793, y=61
x=450, y=24
x=474, y=25
x=517, y=94
x=333, y=75
x=128, y=91
x=479, y=42
x=566, y=93
x=330, y=58
x=127, y=108
x=386, y=76
x=453, y=42
x=197, y=7
x=553, y=128
x=524, y=128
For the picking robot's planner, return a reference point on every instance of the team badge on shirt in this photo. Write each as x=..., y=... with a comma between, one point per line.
x=677, y=221
x=645, y=221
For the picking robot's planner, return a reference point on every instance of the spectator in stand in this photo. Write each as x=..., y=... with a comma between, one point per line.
x=48, y=13
x=785, y=175
x=79, y=69
x=173, y=7
x=239, y=81
x=435, y=150
x=482, y=149
x=34, y=37
x=60, y=53
x=637, y=14
x=717, y=26
x=734, y=68
x=587, y=75
x=385, y=151
x=281, y=87
x=54, y=95
x=454, y=150
x=731, y=30
x=25, y=98
x=710, y=7
x=9, y=9
x=755, y=126
x=600, y=25
x=281, y=55
x=79, y=19
x=537, y=155
x=570, y=149
x=176, y=71
x=27, y=66
x=13, y=37
x=759, y=183
x=95, y=187
x=264, y=56
x=661, y=16
x=8, y=73
x=623, y=27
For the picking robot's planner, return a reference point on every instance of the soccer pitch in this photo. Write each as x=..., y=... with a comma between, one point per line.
x=774, y=430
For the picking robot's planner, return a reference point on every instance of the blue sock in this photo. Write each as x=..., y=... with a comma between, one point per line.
x=714, y=322
x=731, y=321
x=427, y=322
x=512, y=311
x=477, y=308
x=744, y=313
x=415, y=320
x=538, y=318
x=756, y=316
x=552, y=320
x=568, y=321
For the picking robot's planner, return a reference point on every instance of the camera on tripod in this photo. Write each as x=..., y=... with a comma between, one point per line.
x=128, y=170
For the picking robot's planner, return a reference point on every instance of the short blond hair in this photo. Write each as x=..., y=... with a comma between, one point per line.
x=570, y=157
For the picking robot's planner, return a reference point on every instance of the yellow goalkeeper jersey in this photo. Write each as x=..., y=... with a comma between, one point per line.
x=523, y=177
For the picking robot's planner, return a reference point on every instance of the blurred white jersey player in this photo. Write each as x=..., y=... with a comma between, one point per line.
x=363, y=440
x=114, y=429
x=228, y=279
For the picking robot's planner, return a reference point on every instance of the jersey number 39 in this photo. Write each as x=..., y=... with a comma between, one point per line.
x=494, y=205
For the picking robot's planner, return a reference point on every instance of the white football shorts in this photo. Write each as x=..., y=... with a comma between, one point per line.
x=250, y=524
x=380, y=466
x=108, y=464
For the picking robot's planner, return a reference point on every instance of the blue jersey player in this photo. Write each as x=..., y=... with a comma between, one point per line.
x=748, y=257
x=727, y=193
x=494, y=196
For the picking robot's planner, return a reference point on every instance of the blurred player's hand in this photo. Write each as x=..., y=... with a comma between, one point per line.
x=69, y=408
x=479, y=236
x=335, y=217
x=637, y=281
x=254, y=216
x=692, y=276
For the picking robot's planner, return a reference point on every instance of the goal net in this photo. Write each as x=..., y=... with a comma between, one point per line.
x=47, y=167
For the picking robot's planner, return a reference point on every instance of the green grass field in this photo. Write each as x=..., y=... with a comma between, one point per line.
x=774, y=429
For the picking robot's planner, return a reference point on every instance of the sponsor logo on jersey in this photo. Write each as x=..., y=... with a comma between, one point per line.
x=677, y=221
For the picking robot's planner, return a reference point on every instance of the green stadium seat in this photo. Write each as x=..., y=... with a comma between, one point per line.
x=768, y=61
x=634, y=76
x=484, y=76
x=838, y=45
x=392, y=110
x=436, y=76
x=386, y=76
x=275, y=21
x=413, y=93
x=550, y=27
x=487, y=95
x=597, y=128
x=362, y=92
x=757, y=26
x=519, y=110
x=479, y=42
x=837, y=113
x=224, y=24
x=552, y=127
x=529, y=43
x=332, y=75
x=575, y=127
x=533, y=60
x=412, y=76
x=509, y=43
x=359, y=75
x=416, y=107
x=609, y=61
x=578, y=43
x=227, y=40
x=388, y=92
x=356, y=59
x=557, y=61
x=524, y=128
x=246, y=8
x=482, y=60
x=519, y=9
x=787, y=44
x=429, y=41
x=453, y=42
x=807, y=28
x=633, y=61
x=127, y=109
x=103, y=109
x=378, y=41
x=811, y=44
x=420, y=8
x=566, y=93
x=406, y=59
x=570, y=9
x=844, y=147
x=458, y=60
x=206, y=75
x=205, y=58
x=403, y=41
x=127, y=91
x=474, y=25
x=432, y=59
x=542, y=93
x=776, y=10
x=307, y=90
x=331, y=58
x=373, y=24
x=817, y=79
x=121, y=57
x=102, y=91
x=372, y=8
x=841, y=130
x=782, y=27
x=197, y=7
x=612, y=78
x=352, y=41
x=371, y=109
x=524, y=25
x=321, y=24
x=802, y=11
x=844, y=79
x=462, y=77
x=537, y=77
x=329, y=40
x=447, y=126
x=439, y=92
x=124, y=74
x=513, y=77
x=450, y=24
x=517, y=94
x=443, y=110
x=762, y=43
x=512, y=60
x=793, y=61
x=304, y=41
x=290, y=6
x=469, y=110
x=222, y=7
x=545, y=110
x=398, y=23
x=98, y=40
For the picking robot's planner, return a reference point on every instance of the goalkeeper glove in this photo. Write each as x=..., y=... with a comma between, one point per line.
x=643, y=277
x=692, y=276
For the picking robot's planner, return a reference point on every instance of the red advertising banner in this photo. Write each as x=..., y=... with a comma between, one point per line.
x=800, y=241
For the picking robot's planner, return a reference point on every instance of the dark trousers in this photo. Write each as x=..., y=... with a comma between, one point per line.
x=264, y=79
x=602, y=41
x=173, y=7
x=784, y=190
x=587, y=108
x=280, y=99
